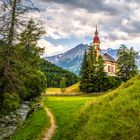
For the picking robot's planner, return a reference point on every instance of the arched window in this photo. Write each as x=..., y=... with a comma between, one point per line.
x=109, y=69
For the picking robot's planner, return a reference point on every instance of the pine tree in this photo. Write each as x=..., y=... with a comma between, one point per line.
x=28, y=39
x=20, y=75
x=92, y=72
x=84, y=73
x=63, y=84
x=101, y=75
x=127, y=67
x=92, y=59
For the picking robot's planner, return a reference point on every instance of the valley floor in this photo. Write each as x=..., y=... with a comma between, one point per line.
x=111, y=116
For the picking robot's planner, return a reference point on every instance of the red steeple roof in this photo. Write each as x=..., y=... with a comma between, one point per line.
x=96, y=37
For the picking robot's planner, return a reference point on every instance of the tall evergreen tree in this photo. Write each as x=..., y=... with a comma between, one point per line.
x=101, y=75
x=92, y=59
x=127, y=67
x=20, y=75
x=84, y=73
x=28, y=39
x=92, y=72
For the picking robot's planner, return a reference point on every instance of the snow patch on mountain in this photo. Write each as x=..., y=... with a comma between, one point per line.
x=70, y=60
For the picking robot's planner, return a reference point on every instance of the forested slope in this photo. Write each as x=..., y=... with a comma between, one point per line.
x=55, y=75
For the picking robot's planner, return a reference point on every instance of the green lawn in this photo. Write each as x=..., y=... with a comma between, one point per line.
x=34, y=126
x=65, y=109
x=112, y=116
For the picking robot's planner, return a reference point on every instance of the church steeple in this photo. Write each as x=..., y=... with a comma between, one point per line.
x=96, y=42
x=96, y=31
x=96, y=39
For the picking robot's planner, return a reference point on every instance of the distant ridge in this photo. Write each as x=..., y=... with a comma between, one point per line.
x=72, y=59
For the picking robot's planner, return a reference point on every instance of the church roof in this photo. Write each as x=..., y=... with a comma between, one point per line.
x=96, y=37
x=107, y=57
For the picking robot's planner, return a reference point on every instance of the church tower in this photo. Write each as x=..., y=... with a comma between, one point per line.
x=109, y=62
x=96, y=42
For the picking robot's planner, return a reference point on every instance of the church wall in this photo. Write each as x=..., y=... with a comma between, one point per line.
x=110, y=68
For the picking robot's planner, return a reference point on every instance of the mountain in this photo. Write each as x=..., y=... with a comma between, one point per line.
x=112, y=52
x=70, y=60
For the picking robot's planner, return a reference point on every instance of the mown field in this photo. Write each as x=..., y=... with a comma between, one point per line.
x=112, y=116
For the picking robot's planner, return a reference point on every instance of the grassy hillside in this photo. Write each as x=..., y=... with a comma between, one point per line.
x=74, y=89
x=55, y=74
x=114, y=116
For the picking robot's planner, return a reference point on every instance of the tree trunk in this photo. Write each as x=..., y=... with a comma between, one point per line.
x=12, y=23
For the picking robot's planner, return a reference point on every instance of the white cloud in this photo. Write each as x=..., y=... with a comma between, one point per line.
x=62, y=21
x=50, y=49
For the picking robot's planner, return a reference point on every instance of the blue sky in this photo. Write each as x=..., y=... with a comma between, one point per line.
x=72, y=22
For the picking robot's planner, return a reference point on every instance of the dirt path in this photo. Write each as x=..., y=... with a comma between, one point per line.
x=48, y=135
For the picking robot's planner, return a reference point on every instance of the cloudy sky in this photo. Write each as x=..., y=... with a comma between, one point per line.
x=71, y=22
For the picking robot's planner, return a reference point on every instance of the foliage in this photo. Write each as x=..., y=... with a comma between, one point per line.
x=63, y=82
x=11, y=101
x=55, y=74
x=20, y=68
x=84, y=73
x=127, y=67
x=93, y=77
x=36, y=84
x=112, y=82
x=37, y=122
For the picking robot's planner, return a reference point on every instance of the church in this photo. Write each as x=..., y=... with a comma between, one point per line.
x=110, y=62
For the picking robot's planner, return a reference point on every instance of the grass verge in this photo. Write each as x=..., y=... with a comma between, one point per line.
x=33, y=127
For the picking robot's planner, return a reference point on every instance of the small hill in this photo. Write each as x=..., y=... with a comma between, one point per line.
x=114, y=116
x=74, y=89
x=55, y=74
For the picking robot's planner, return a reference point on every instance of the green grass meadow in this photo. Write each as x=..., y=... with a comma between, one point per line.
x=65, y=110
x=112, y=116
x=34, y=127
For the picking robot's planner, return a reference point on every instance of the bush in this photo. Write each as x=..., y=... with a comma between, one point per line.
x=11, y=101
x=112, y=82
x=36, y=84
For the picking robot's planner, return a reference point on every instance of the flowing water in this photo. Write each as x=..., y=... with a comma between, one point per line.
x=10, y=123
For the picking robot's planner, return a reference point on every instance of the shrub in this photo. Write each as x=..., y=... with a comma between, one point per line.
x=36, y=84
x=11, y=101
x=111, y=82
